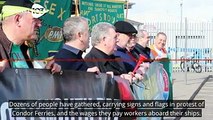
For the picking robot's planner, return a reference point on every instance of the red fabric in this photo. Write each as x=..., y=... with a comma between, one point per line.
x=125, y=91
x=126, y=95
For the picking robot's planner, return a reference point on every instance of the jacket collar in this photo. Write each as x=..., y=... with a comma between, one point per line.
x=7, y=44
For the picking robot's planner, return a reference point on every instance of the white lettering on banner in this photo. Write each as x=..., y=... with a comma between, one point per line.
x=60, y=16
x=53, y=8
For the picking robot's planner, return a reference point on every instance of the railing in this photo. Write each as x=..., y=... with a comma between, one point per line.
x=199, y=39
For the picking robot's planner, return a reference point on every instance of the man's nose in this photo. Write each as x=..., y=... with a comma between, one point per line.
x=38, y=22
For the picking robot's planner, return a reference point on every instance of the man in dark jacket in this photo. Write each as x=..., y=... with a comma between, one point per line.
x=104, y=39
x=20, y=22
x=141, y=47
x=126, y=32
x=76, y=36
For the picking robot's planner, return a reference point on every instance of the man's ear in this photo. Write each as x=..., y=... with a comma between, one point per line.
x=104, y=40
x=17, y=19
x=79, y=34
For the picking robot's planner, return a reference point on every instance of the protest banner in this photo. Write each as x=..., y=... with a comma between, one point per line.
x=101, y=11
x=50, y=34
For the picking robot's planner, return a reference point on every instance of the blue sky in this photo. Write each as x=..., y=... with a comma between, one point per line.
x=151, y=10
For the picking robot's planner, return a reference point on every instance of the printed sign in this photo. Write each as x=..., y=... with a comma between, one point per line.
x=101, y=11
x=50, y=34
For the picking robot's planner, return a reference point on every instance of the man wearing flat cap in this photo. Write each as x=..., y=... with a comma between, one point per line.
x=125, y=32
x=19, y=23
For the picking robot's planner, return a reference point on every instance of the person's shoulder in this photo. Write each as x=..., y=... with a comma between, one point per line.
x=118, y=53
x=90, y=54
x=151, y=47
x=93, y=53
x=64, y=53
x=121, y=54
x=148, y=49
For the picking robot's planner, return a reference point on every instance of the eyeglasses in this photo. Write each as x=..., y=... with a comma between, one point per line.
x=112, y=37
x=131, y=35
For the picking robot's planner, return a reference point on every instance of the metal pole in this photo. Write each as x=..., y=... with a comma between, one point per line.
x=186, y=38
x=181, y=22
x=127, y=7
x=76, y=7
x=181, y=15
x=176, y=38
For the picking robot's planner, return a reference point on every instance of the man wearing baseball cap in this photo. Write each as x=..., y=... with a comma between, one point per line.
x=126, y=32
x=19, y=23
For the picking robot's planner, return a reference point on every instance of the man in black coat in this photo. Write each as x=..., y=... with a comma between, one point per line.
x=104, y=39
x=141, y=47
x=76, y=36
x=126, y=33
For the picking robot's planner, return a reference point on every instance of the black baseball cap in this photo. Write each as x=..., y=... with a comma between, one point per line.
x=22, y=3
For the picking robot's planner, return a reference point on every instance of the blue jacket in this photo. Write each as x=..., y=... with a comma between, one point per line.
x=128, y=60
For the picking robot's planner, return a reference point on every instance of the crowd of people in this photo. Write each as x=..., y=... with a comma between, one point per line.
x=115, y=48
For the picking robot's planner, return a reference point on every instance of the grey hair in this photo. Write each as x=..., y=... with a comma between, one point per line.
x=72, y=26
x=141, y=33
x=99, y=31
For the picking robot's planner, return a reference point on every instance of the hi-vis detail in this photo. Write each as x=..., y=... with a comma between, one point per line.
x=54, y=34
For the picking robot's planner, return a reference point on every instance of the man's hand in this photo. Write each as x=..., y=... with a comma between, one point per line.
x=137, y=76
x=143, y=68
x=53, y=66
x=3, y=65
x=93, y=69
x=139, y=73
x=128, y=77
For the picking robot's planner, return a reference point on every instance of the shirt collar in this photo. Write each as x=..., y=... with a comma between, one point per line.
x=72, y=49
x=121, y=49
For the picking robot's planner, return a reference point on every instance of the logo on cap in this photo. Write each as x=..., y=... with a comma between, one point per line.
x=38, y=10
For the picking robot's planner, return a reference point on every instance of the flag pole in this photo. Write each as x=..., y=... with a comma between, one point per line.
x=127, y=7
x=76, y=7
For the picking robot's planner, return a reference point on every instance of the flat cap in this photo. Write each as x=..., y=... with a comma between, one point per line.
x=125, y=27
